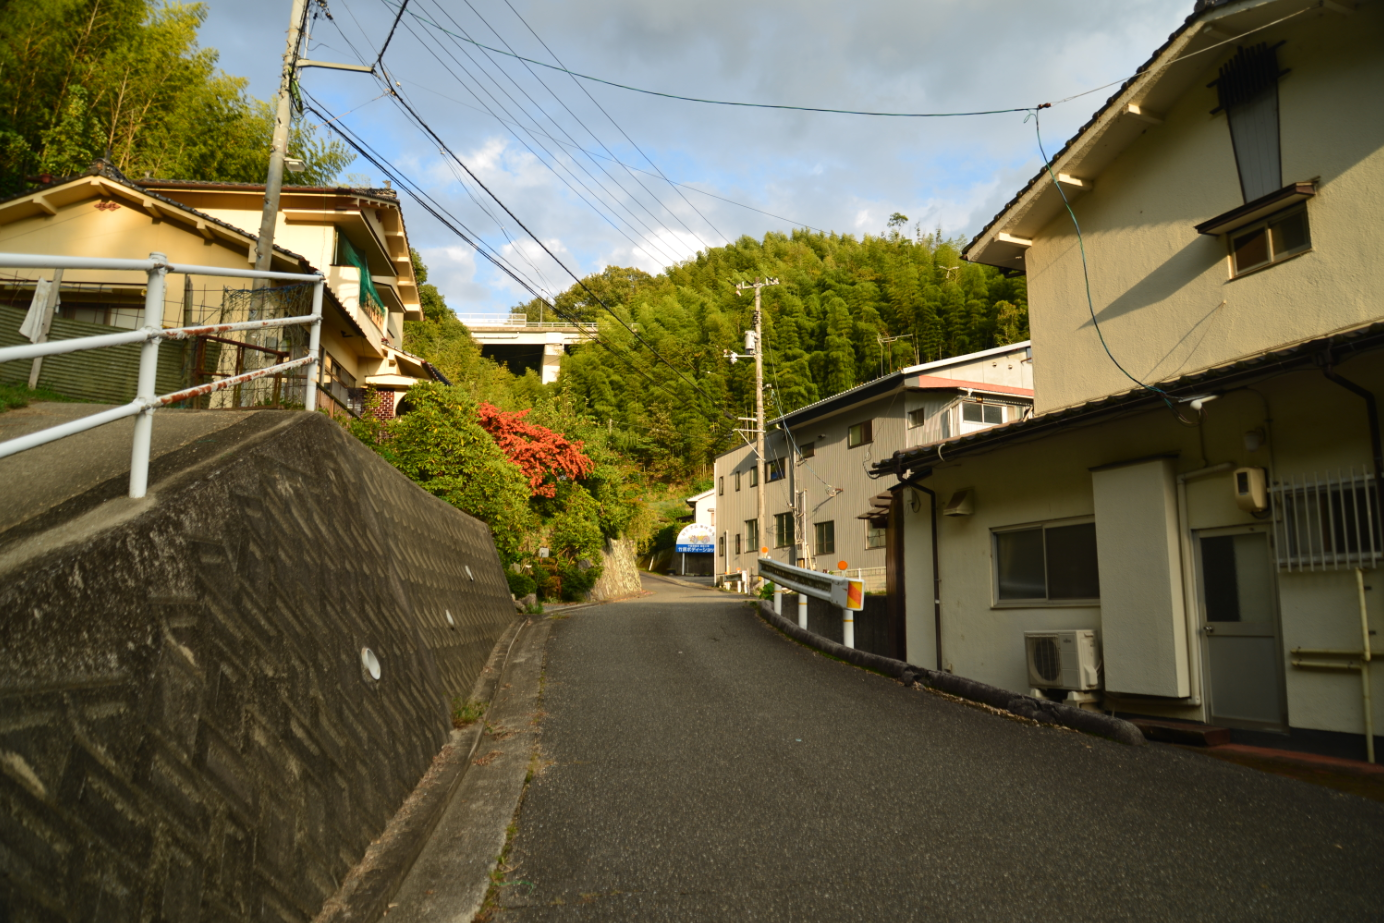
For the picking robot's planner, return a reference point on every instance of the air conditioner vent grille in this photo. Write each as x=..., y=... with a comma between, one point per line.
x=1047, y=660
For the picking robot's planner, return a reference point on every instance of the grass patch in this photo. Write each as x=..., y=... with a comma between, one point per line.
x=468, y=712
x=14, y=396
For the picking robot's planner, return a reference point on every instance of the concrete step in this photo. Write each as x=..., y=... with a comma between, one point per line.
x=1182, y=732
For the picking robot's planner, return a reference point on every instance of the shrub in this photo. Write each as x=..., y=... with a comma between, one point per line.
x=520, y=585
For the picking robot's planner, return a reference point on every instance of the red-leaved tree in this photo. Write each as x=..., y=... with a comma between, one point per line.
x=543, y=455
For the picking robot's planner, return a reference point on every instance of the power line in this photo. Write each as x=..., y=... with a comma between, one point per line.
x=616, y=199
x=660, y=174
x=593, y=135
x=379, y=58
x=622, y=131
x=594, y=297
x=719, y=102
x=666, y=255
x=443, y=217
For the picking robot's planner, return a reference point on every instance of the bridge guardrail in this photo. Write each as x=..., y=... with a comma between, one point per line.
x=146, y=401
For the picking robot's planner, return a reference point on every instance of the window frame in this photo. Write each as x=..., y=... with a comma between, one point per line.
x=780, y=532
x=917, y=417
x=737, y=481
x=776, y=470
x=997, y=603
x=1264, y=224
x=881, y=530
x=752, y=536
x=817, y=543
x=721, y=485
x=754, y=476
x=867, y=431
x=807, y=449
x=738, y=544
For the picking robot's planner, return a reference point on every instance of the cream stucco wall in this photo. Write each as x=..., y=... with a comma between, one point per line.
x=1315, y=424
x=1163, y=293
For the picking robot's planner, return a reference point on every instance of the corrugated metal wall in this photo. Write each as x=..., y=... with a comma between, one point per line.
x=106, y=375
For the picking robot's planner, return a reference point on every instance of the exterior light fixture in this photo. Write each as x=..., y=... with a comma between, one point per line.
x=295, y=165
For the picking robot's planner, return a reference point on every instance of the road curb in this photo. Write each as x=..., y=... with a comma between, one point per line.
x=1040, y=710
x=365, y=893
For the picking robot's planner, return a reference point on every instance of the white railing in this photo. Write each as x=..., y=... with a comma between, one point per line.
x=512, y=320
x=1327, y=523
x=150, y=335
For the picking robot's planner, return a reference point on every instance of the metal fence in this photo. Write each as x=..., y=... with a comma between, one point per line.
x=1327, y=523
x=156, y=269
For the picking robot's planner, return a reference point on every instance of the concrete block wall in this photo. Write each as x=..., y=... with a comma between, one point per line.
x=186, y=728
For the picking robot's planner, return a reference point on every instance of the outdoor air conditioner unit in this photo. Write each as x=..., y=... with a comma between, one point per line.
x=1063, y=659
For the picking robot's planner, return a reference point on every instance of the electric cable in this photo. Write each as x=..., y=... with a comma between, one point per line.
x=579, y=85
x=579, y=121
x=660, y=175
x=594, y=297
x=715, y=102
x=379, y=58
x=666, y=255
x=1085, y=268
x=652, y=236
x=447, y=221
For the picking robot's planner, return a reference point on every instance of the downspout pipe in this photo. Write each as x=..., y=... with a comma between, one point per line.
x=915, y=483
x=1371, y=411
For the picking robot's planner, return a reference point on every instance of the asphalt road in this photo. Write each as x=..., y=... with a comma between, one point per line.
x=704, y=767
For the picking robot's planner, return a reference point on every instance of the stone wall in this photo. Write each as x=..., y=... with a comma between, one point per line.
x=187, y=730
x=620, y=572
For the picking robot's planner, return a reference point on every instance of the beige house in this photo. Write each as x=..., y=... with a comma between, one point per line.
x=1207, y=510
x=818, y=457
x=356, y=237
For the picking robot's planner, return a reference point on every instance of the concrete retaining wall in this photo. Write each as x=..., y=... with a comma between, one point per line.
x=186, y=729
x=871, y=623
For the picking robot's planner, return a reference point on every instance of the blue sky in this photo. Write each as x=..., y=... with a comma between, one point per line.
x=841, y=173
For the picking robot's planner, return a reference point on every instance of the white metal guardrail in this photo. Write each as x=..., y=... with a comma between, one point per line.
x=157, y=267
x=846, y=593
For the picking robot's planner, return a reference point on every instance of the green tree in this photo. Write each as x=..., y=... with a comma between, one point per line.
x=89, y=78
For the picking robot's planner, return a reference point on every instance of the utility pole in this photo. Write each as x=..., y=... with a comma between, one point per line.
x=757, y=345
x=283, y=121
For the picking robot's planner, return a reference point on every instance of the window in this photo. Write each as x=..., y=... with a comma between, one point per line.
x=1046, y=563
x=976, y=416
x=775, y=469
x=826, y=536
x=1269, y=241
x=808, y=449
x=875, y=533
x=860, y=434
x=737, y=543
x=917, y=417
x=737, y=480
x=752, y=535
x=754, y=476
x=721, y=486
x=783, y=530
x=723, y=544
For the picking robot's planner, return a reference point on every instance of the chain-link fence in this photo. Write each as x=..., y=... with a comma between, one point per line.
x=212, y=358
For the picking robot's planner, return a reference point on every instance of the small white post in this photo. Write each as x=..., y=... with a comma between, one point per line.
x=314, y=347
x=50, y=305
x=778, y=601
x=848, y=628
x=802, y=611
x=147, y=388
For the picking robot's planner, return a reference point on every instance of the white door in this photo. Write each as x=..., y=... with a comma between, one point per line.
x=1241, y=655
